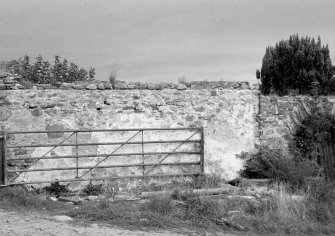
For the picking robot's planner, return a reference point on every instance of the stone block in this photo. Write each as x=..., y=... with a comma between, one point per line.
x=108, y=101
x=244, y=85
x=78, y=86
x=101, y=86
x=91, y=87
x=181, y=87
x=108, y=85
x=214, y=93
x=130, y=85
x=4, y=113
x=120, y=85
x=9, y=80
x=151, y=86
x=54, y=127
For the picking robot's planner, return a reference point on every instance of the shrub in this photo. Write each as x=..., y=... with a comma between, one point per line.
x=297, y=63
x=93, y=189
x=274, y=165
x=57, y=189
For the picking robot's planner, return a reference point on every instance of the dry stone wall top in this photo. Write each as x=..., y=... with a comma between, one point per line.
x=15, y=82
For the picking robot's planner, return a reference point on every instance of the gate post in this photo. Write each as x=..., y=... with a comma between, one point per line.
x=3, y=161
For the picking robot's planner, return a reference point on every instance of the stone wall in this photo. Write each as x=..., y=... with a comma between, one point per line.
x=279, y=116
x=229, y=118
x=236, y=121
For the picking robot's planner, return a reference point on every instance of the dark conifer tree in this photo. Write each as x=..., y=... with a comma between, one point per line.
x=296, y=64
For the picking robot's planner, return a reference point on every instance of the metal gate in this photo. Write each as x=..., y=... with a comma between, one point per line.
x=28, y=157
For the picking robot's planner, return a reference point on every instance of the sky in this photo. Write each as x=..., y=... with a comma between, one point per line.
x=161, y=40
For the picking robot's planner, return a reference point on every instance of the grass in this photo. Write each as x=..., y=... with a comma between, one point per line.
x=19, y=198
x=311, y=213
x=182, y=80
x=283, y=213
x=113, y=74
x=206, y=181
x=158, y=212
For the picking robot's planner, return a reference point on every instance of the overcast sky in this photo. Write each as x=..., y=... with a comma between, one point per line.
x=156, y=40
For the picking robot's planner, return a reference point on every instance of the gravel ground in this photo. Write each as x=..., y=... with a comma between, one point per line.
x=12, y=223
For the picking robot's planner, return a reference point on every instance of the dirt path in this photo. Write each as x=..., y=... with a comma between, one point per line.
x=12, y=223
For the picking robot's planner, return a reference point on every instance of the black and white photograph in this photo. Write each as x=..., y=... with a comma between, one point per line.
x=167, y=117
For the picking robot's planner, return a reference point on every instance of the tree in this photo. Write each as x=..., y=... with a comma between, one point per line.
x=37, y=75
x=91, y=73
x=42, y=71
x=26, y=68
x=65, y=70
x=296, y=64
x=46, y=72
x=57, y=70
x=258, y=74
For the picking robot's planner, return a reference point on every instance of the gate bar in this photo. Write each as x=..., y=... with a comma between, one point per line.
x=106, y=178
x=95, y=130
x=102, y=155
x=106, y=166
x=109, y=143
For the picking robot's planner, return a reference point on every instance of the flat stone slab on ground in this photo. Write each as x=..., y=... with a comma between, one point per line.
x=75, y=200
x=63, y=218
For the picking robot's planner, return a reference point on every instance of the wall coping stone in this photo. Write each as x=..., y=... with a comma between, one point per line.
x=11, y=83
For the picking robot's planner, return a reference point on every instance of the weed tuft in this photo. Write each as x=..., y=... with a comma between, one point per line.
x=93, y=189
x=56, y=189
x=113, y=74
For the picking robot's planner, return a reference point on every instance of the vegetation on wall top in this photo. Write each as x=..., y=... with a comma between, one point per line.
x=298, y=64
x=43, y=72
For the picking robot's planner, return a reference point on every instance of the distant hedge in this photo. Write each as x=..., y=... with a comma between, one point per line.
x=43, y=72
x=299, y=65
